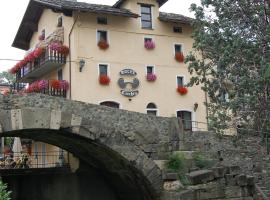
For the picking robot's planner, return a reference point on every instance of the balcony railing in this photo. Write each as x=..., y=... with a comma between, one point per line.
x=47, y=62
x=57, y=88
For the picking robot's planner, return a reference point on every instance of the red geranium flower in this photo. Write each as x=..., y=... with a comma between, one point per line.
x=103, y=44
x=55, y=84
x=179, y=56
x=104, y=80
x=182, y=90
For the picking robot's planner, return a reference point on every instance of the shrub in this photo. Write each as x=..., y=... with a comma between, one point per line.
x=176, y=163
x=4, y=194
x=201, y=161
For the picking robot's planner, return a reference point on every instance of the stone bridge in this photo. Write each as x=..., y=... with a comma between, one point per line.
x=122, y=144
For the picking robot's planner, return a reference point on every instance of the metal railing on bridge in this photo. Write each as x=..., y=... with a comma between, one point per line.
x=18, y=160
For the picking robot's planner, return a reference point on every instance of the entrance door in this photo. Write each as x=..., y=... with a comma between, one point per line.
x=186, y=117
x=111, y=104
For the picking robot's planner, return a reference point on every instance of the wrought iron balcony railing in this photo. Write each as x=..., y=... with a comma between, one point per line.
x=47, y=62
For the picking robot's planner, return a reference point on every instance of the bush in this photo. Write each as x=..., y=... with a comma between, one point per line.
x=4, y=194
x=176, y=163
x=201, y=161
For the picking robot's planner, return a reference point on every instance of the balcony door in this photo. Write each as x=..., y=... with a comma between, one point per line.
x=186, y=117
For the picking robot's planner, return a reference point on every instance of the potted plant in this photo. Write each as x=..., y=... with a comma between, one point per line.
x=151, y=77
x=182, y=90
x=103, y=44
x=179, y=56
x=104, y=79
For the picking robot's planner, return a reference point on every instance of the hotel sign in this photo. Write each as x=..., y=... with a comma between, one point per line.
x=129, y=88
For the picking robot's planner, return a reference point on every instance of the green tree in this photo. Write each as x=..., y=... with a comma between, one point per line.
x=6, y=77
x=231, y=59
x=4, y=194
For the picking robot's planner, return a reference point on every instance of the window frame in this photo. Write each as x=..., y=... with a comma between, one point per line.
x=101, y=30
x=178, y=27
x=153, y=68
x=184, y=80
x=182, y=47
x=108, y=68
x=150, y=14
x=152, y=109
x=193, y=117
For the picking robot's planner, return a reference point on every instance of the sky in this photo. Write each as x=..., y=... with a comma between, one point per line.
x=12, y=11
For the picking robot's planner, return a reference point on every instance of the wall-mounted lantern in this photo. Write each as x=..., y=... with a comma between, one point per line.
x=196, y=105
x=81, y=64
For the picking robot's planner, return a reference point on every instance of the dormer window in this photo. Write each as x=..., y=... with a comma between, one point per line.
x=146, y=16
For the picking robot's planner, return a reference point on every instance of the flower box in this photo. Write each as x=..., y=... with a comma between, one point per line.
x=149, y=44
x=103, y=45
x=104, y=80
x=182, y=90
x=179, y=56
x=151, y=77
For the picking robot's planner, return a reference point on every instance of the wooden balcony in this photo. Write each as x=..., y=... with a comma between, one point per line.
x=48, y=62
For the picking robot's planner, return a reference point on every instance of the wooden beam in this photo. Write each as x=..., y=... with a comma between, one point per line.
x=32, y=26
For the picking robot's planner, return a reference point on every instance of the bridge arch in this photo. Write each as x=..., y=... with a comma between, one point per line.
x=118, y=148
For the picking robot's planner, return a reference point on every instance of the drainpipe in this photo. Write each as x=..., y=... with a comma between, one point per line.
x=69, y=44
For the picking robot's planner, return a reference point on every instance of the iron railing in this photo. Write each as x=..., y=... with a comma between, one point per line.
x=49, y=56
x=48, y=159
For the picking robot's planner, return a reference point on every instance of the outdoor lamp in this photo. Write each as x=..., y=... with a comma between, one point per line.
x=81, y=64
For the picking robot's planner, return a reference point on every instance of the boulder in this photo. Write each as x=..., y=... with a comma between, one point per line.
x=172, y=185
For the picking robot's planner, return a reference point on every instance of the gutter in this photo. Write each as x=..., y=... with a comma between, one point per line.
x=69, y=45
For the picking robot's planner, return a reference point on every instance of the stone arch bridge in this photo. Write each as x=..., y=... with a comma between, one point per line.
x=122, y=144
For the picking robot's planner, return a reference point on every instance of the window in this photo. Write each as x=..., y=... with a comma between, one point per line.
x=102, y=20
x=147, y=39
x=151, y=109
x=178, y=48
x=111, y=104
x=149, y=69
x=146, y=16
x=60, y=74
x=177, y=29
x=186, y=117
x=102, y=36
x=180, y=81
x=103, y=69
x=60, y=21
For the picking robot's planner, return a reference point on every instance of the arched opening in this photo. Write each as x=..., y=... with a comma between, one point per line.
x=151, y=109
x=186, y=117
x=119, y=177
x=111, y=104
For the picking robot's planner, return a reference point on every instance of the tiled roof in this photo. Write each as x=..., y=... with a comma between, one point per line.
x=35, y=8
x=177, y=18
x=119, y=3
x=86, y=7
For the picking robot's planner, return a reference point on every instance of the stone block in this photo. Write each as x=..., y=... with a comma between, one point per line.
x=250, y=180
x=219, y=172
x=230, y=180
x=169, y=176
x=234, y=170
x=172, y=185
x=201, y=176
x=241, y=180
x=233, y=192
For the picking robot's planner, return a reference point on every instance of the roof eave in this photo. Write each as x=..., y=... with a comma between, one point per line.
x=175, y=21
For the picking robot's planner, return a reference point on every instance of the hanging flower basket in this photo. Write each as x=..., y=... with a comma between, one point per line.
x=151, y=77
x=149, y=44
x=179, y=56
x=104, y=80
x=182, y=90
x=103, y=44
